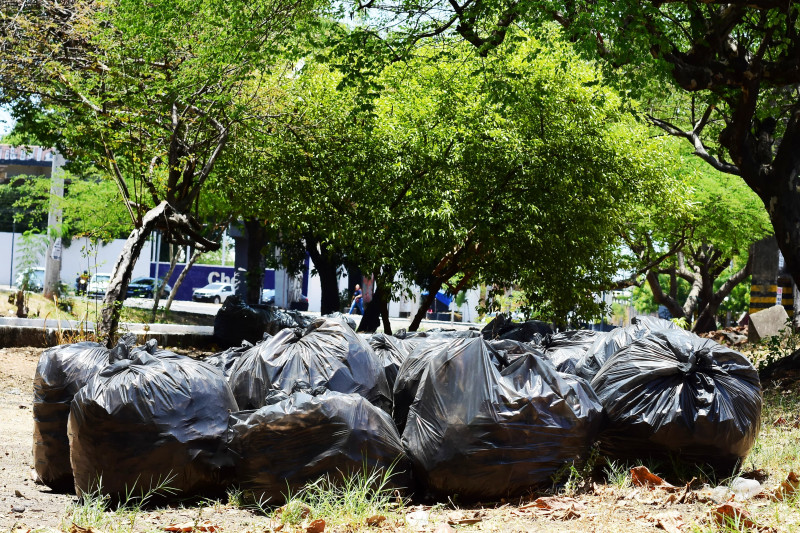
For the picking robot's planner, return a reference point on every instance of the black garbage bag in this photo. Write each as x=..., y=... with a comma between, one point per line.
x=300, y=320
x=442, y=333
x=412, y=369
x=502, y=327
x=347, y=320
x=225, y=360
x=484, y=434
x=577, y=338
x=327, y=354
x=608, y=344
x=150, y=419
x=507, y=351
x=237, y=321
x=283, y=446
x=392, y=352
x=565, y=349
x=673, y=393
x=62, y=371
x=653, y=323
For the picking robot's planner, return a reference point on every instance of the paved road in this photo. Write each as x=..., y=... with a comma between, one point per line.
x=211, y=309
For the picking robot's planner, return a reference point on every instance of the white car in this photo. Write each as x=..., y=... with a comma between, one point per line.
x=213, y=292
x=98, y=285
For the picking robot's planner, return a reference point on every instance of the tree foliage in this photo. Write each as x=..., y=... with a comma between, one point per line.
x=149, y=89
x=511, y=169
x=737, y=60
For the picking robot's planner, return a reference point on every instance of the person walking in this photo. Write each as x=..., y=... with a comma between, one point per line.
x=357, y=301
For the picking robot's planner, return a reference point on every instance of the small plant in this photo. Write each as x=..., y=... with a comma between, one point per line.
x=779, y=346
x=574, y=478
x=618, y=474
x=94, y=509
x=681, y=322
x=350, y=498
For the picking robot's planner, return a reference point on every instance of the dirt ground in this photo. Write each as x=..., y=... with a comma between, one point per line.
x=596, y=507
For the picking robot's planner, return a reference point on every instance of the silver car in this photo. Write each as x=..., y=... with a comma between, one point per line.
x=213, y=292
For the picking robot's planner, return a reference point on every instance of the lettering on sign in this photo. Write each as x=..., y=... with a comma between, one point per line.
x=221, y=277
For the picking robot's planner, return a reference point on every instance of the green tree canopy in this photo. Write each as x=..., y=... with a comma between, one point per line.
x=510, y=169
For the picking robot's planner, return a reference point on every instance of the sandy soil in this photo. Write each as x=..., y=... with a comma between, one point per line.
x=41, y=506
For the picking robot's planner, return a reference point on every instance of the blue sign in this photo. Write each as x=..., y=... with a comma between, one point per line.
x=201, y=275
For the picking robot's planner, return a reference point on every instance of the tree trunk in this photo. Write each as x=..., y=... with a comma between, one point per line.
x=433, y=288
x=372, y=312
x=122, y=272
x=256, y=242
x=173, y=261
x=387, y=325
x=706, y=318
x=179, y=281
x=328, y=271
x=667, y=300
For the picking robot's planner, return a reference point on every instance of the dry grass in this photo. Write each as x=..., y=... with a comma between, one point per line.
x=87, y=310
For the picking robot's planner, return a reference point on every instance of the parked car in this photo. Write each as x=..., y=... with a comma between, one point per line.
x=145, y=287
x=98, y=285
x=301, y=304
x=213, y=292
x=31, y=279
x=268, y=296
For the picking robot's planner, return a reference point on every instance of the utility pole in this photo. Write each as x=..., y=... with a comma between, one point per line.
x=52, y=271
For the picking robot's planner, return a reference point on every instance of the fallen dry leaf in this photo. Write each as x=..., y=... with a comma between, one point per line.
x=671, y=521
x=188, y=527
x=558, y=507
x=444, y=527
x=75, y=528
x=464, y=519
x=788, y=488
x=376, y=521
x=553, y=503
x=731, y=514
x=642, y=477
x=316, y=526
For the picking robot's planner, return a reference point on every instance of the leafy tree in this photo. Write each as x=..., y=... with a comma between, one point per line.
x=91, y=206
x=737, y=60
x=149, y=89
x=504, y=170
x=688, y=255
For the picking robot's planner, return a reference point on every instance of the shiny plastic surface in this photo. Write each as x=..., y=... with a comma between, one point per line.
x=566, y=349
x=674, y=394
x=144, y=419
x=484, y=434
x=280, y=447
x=225, y=360
x=327, y=354
x=62, y=371
x=392, y=352
x=502, y=327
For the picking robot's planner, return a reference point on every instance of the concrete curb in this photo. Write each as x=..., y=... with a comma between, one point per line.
x=16, y=332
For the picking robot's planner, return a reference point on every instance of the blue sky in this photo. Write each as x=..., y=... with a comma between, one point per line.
x=5, y=121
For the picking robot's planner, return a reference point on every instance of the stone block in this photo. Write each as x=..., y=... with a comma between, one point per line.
x=767, y=323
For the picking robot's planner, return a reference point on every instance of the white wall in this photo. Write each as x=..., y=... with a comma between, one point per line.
x=79, y=256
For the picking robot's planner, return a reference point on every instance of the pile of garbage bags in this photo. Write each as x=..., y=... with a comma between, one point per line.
x=448, y=413
x=236, y=321
x=327, y=354
x=298, y=439
x=62, y=371
x=484, y=434
x=676, y=395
